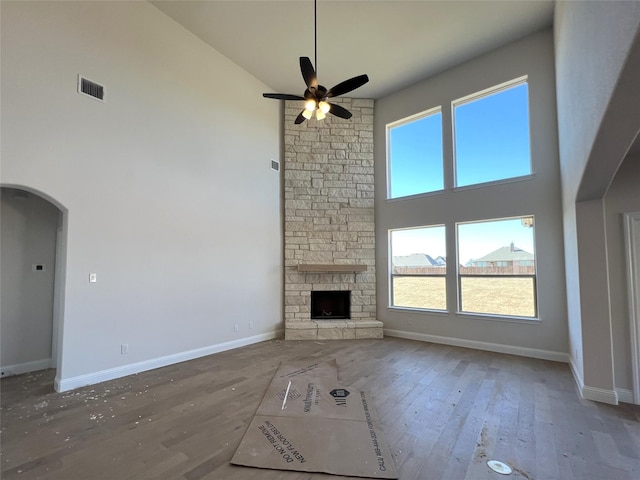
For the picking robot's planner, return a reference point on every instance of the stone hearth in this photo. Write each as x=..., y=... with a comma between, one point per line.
x=329, y=235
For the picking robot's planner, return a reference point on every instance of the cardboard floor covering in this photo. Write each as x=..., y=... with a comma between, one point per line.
x=307, y=422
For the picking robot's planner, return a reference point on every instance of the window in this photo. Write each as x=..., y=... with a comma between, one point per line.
x=418, y=268
x=492, y=135
x=496, y=273
x=415, y=155
x=495, y=268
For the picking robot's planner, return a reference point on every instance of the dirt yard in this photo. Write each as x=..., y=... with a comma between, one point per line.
x=500, y=296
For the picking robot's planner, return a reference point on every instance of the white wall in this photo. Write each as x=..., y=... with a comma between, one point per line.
x=597, y=73
x=623, y=196
x=28, y=232
x=167, y=184
x=540, y=196
x=592, y=44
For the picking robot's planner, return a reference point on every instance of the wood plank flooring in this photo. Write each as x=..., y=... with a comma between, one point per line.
x=445, y=411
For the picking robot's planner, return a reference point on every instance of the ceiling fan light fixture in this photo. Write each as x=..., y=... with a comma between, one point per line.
x=310, y=105
x=324, y=107
x=320, y=115
x=307, y=114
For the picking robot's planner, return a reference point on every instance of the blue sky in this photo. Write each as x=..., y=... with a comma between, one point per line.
x=492, y=137
x=424, y=240
x=416, y=150
x=477, y=239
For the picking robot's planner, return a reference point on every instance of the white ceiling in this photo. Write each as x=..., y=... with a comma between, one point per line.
x=395, y=42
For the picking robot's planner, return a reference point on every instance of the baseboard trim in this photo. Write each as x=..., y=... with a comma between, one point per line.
x=593, y=393
x=625, y=396
x=20, y=368
x=600, y=395
x=577, y=376
x=490, y=347
x=66, y=384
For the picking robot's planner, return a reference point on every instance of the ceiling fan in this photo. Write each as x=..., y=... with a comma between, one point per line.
x=316, y=96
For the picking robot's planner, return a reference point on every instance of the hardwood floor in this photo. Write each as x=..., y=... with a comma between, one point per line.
x=445, y=411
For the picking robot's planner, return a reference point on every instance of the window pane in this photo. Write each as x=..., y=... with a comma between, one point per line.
x=418, y=268
x=415, y=156
x=420, y=292
x=497, y=267
x=509, y=296
x=492, y=137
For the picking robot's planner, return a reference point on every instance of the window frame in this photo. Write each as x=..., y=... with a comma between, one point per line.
x=404, y=121
x=391, y=276
x=487, y=92
x=459, y=276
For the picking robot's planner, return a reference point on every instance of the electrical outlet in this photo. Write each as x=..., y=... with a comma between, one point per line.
x=250, y=325
x=236, y=327
x=124, y=348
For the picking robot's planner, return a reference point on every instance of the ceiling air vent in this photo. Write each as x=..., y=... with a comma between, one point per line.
x=275, y=166
x=90, y=88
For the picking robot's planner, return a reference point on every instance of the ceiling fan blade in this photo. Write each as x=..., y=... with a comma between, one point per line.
x=348, y=86
x=282, y=96
x=338, y=111
x=299, y=118
x=308, y=73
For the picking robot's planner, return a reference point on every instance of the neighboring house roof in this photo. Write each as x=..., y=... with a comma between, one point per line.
x=440, y=260
x=418, y=260
x=506, y=254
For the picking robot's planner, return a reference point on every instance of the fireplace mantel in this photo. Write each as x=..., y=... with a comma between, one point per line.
x=329, y=268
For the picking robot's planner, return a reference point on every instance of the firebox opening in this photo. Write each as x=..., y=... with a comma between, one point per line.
x=331, y=305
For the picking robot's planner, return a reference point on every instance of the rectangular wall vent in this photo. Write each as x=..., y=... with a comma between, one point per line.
x=93, y=89
x=275, y=166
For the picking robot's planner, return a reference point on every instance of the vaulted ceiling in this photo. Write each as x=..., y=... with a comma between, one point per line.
x=395, y=42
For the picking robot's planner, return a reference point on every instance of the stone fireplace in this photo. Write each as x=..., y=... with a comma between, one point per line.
x=329, y=235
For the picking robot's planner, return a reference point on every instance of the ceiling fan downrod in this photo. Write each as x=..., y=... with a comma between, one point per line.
x=316, y=96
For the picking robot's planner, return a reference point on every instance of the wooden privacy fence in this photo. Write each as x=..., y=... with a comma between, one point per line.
x=511, y=270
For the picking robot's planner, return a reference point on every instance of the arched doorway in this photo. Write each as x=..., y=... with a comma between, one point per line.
x=33, y=246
